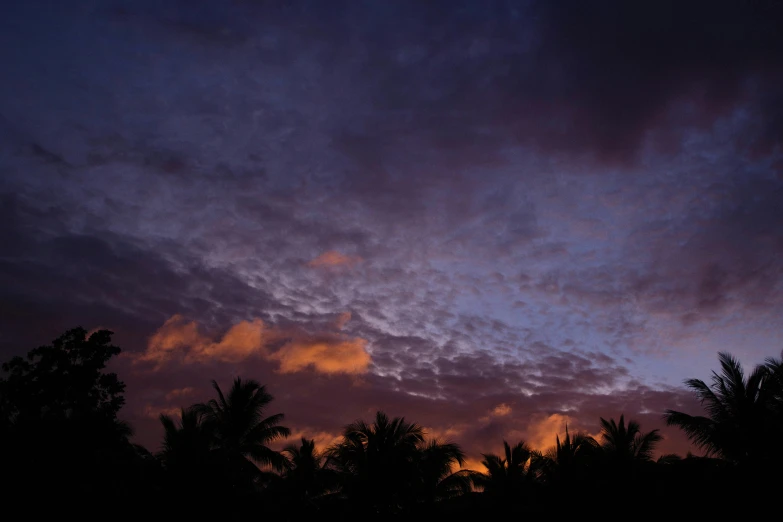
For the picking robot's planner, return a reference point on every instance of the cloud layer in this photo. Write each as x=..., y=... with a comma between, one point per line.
x=492, y=217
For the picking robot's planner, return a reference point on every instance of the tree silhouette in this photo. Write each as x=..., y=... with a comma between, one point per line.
x=59, y=423
x=387, y=467
x=240, y=432
x=626, y=445
x=376, y=462
x=570, y=459
x=61, y=439
x=508, y=478
x=775, y=383
x=743, y=414
x=438, y=480
x=186, y=440
x=188, y=455
x=64, y=380
x=306, y=475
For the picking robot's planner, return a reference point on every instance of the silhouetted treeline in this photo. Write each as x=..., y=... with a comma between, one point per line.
x=65, y=453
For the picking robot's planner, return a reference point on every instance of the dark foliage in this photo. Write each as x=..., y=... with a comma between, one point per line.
x=65, y=451
x=59, y=432
x=744, y=416
x=511, y=476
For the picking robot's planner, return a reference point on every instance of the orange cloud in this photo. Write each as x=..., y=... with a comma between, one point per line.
x=342, y=320
x=541, y=435
x=176, y=336
x=179, y=392
x=242, y=340
x=333, y=258
x=322, y=439
x=181, y=339
x=446, y=434
x=472, y=464
x=326, y=352
x=501, y=410
x=154, y=412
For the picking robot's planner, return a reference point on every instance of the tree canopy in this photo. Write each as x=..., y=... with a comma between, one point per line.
x=63, y=380
x=61, y=439
x=743, y=413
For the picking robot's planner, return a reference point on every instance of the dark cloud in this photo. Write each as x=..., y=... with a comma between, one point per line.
x=732, y=252
x=598, y=78
x=624, y=69
x=56, y=279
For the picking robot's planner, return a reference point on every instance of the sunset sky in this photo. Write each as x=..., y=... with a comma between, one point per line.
x=491, y=217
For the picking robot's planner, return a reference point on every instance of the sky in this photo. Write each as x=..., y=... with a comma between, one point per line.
x=494, y=218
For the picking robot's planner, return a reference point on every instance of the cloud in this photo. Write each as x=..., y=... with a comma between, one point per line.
x=445, y=401
x=325, y=353
x=181, y=340
x=541, y=430
x=540, y=434
x=623, y=67
x=295, y=349
x=449, y=433
x=153, y=412
x=501, y=409
x=322, y=439
x=240, y=342
x=342, y=320
x=177, y=393
x=176, y=337
x=473, y=463
x=452, y=149
x=124, y=283
x=333, y=258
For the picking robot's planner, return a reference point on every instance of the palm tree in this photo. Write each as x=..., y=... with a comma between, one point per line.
x=626, y=445
x=670, y=459
x=775, y=383
x=240, y=431
x=743, y=414
x=184, y=442
x=377, y=461
x=388, y=466
x=187, y=454
x=625, y=459
x=508, y=477
x=569, y=460
x=305, y=476
x=436, y=461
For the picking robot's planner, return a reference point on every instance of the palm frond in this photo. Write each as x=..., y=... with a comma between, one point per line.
x=644, y=444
